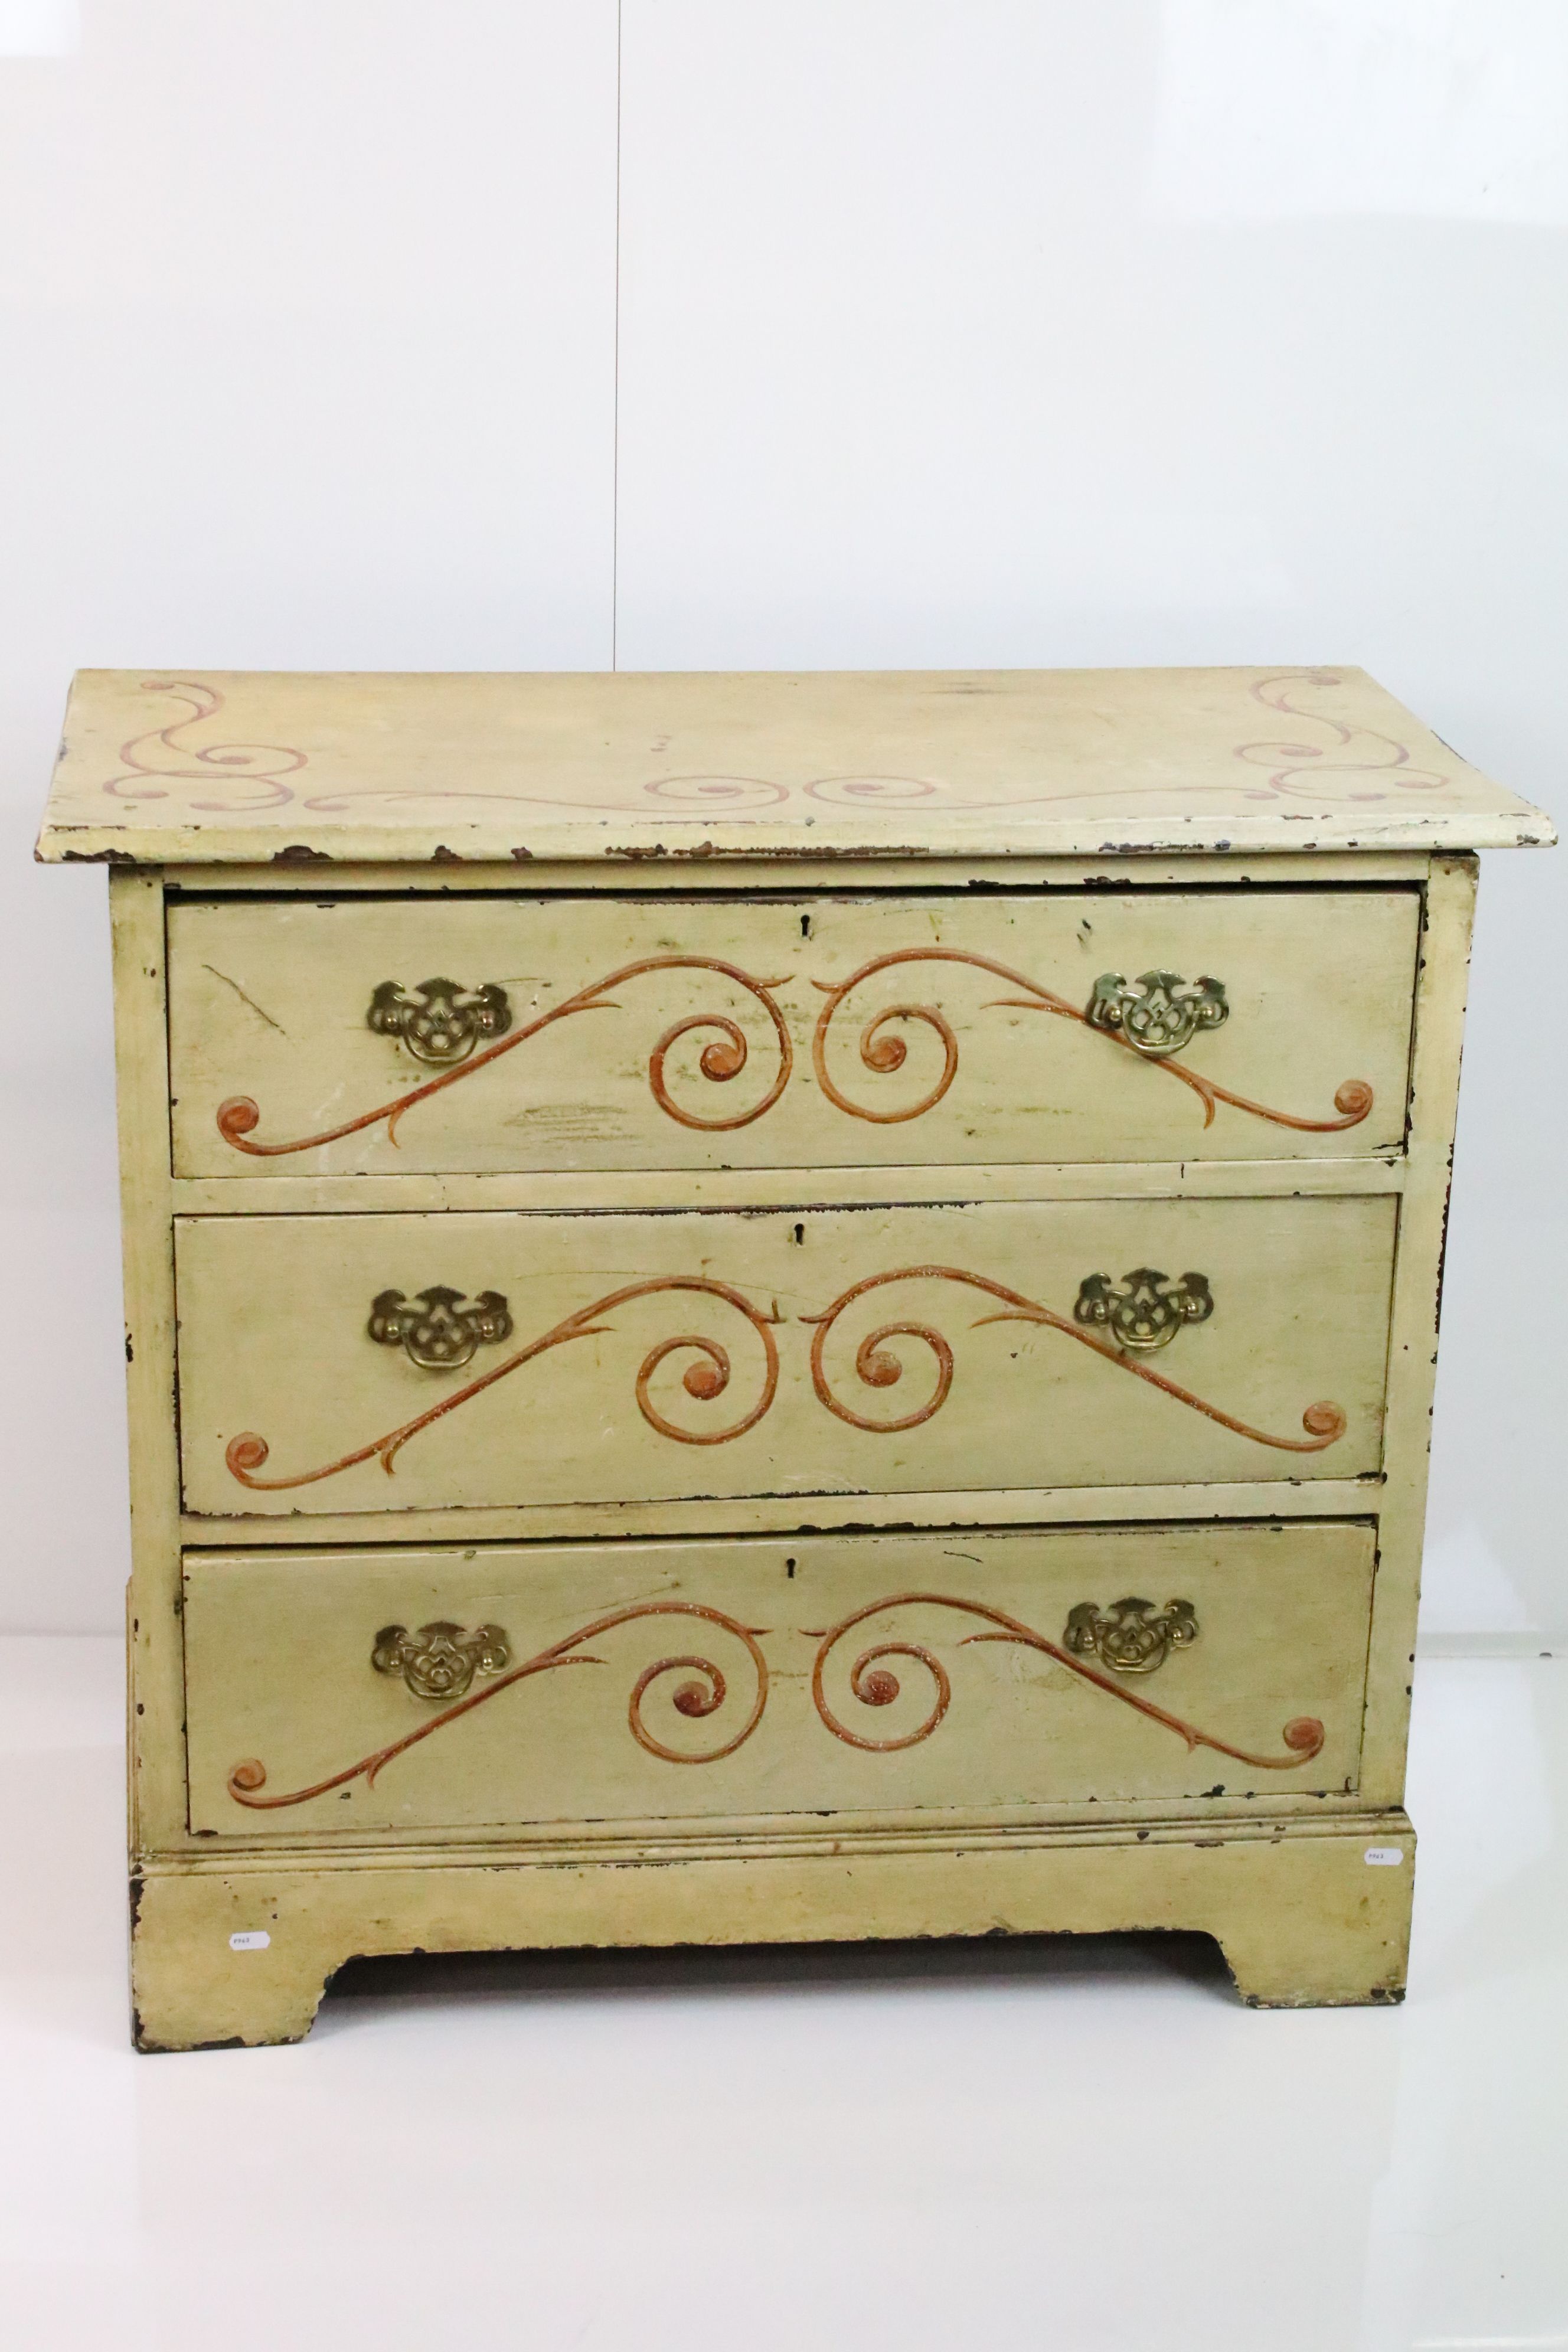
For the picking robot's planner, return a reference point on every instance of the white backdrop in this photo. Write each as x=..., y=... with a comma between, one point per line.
x=535, y=334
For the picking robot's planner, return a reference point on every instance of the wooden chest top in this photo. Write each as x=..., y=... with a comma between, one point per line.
x=166, y=768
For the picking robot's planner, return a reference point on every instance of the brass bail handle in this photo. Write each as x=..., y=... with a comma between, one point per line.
x=1130, y=1637
x=1146, y=1310
x=440, y=1022
x=438, y=1330
x=441, y=1659
x=1160, y=1013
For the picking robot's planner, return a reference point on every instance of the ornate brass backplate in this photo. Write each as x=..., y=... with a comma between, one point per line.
x=1147, y=1309
x=439, y=1021
x=441, y=1659
x=435, y=1328
x=1129, y=1636
x=1161, y=1012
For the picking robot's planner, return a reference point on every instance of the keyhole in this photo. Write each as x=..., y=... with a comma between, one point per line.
x=800, y=1235
x=805, y=927
x=789, y=1567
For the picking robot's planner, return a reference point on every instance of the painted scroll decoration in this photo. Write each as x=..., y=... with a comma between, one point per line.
x=1350, y=764
x=723, y=1059
x=1358, y=758
x=706, y=1693
x=875, y=1367
x=884, y=1052
x=216, y=778
x=705, y=1379
x=707, y=1376
x=873, y=1683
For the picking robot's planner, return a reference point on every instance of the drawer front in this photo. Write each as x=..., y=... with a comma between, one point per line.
x=686, y=1682
x=536, y=1033
x=378, y=1363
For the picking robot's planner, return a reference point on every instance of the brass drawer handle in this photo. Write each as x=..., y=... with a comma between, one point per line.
x=439, y=1021
x=434, y=1329
x=441, y=1659
x=1128, y=1636
x=1161, y=1012
x=1147, y=1310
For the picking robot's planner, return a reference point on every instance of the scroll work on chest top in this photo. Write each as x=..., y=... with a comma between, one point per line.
x=940, y=1028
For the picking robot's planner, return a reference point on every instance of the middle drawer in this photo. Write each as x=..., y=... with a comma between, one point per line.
x=496, y=1360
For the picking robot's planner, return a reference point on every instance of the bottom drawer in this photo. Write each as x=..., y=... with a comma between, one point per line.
x=699, y=1682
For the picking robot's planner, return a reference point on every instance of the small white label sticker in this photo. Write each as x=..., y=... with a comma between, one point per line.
x=1388, y=1856
x=256, y=1939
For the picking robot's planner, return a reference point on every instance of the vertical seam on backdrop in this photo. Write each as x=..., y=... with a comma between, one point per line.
x=615, y=374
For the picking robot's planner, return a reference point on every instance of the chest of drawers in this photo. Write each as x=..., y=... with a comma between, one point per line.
x=773, y=1308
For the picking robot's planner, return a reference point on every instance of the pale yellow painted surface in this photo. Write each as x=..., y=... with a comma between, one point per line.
x=909, y=869
x=269, y=1002
x=1037, y=1445
x=1299, y=1918
x=772, y=1188
x=155, y=1742
x=1413, y=1325
x=273, y=1344
x=975, y=1506
x=221, y=767
x=277, y=1665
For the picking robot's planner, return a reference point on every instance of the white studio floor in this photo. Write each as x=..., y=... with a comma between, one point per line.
x=1079, y=2146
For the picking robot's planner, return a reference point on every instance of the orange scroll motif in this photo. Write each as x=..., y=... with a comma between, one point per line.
x=875, y=1685
x=1358, y=758
x=161, y=765
x=695, y=1700
x=705, y=1379
x=723, y=1059
x=882, y=1051
x=878, y=1368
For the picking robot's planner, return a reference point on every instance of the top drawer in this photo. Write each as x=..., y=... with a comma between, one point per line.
x=399, y=1037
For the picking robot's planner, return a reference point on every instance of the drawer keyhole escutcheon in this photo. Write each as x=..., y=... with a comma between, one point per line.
x=439, y=1021
x=1160, y=1013
x=441, y=1659
x=1129, y=1636
x=435, y=1329
x=1146, y=1310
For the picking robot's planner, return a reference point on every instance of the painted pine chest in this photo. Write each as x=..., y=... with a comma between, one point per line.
x=773, y=1308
